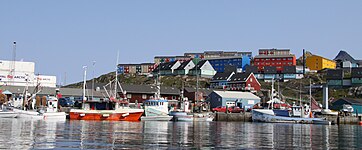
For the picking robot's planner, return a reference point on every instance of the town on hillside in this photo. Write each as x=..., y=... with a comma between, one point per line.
x=197, y=76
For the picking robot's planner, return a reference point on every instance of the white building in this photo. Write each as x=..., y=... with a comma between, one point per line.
x=21, y=73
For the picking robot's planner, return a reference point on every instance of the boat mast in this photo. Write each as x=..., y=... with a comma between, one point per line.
x=197, y=84
x=84, y=82
x=25, y=99
x=158, y=85
x=272, y=94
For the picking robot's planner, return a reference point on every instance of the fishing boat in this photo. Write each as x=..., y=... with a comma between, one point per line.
x=48, y=112
x=268, y=115
x=182, y=114
x=296, y=114
x=29, y=108
x=112, y=109
x=156, y=110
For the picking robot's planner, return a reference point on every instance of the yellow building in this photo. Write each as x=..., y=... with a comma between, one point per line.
x=316, y=62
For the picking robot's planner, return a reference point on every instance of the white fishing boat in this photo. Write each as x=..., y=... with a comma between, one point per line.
x=297, y=114
x=268, y=115
x=156, y=110
x=50, y=111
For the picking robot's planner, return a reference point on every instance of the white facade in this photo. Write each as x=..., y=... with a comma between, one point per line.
x=22, y=74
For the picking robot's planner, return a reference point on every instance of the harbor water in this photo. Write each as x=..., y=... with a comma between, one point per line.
x=30, y=134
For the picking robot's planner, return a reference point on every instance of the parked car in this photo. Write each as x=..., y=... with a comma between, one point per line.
x=232, y=109
x=64, y=102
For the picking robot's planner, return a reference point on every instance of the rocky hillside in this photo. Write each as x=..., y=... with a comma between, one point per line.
x=170, y=81
x=289, y=89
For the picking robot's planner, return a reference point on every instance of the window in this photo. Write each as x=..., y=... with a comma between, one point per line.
x=129, y=95
x=144, y=96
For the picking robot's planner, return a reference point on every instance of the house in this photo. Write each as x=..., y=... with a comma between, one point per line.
x=218, y=54
x=195, y=55
x=165, y=59
x=140, y=93
x=244, y=82
x=219, y=63
x=191, y=93
x=274, y=57
x=255, y=71
x=335, y=77
x=233, y=98
x=316, y=62
x=220, y=80
x=289, y=72
x=184, y=68
x=203, y=69
x=270, y=73
x=166, y=68
x=344, y=60
x=147, y=68
x=355, y=103
x=356, y=76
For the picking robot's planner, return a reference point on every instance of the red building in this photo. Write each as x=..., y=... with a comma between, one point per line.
x=274, y=57
x=244, y=82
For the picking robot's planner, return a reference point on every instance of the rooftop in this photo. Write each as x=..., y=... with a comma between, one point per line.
x=234, y=94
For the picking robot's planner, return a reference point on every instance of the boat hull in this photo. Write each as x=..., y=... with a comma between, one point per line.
x=261, y=115
x=181, y=116
x=156, y=118
x=105, y=115
x=36, y=115
x=8, y=114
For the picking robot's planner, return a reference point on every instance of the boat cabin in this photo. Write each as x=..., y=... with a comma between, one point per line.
x=52, y=104
x=156, y=107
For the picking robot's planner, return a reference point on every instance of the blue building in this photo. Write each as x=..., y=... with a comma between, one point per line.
x=233, y=98
x=219, y=63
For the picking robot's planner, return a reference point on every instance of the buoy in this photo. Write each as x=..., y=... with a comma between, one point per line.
x=360, y=123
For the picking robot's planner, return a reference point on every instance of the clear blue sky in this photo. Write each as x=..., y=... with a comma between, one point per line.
x=62, y=36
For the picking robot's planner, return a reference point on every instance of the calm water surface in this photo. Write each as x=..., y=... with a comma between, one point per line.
x=28, y=134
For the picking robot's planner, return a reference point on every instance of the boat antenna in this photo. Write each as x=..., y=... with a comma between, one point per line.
x=158, y=84
x=116, y=81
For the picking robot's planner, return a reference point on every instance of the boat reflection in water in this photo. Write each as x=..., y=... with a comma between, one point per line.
x=81, y=134
x=29, y=133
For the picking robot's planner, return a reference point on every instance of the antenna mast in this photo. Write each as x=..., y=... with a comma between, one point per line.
x=116, y=81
